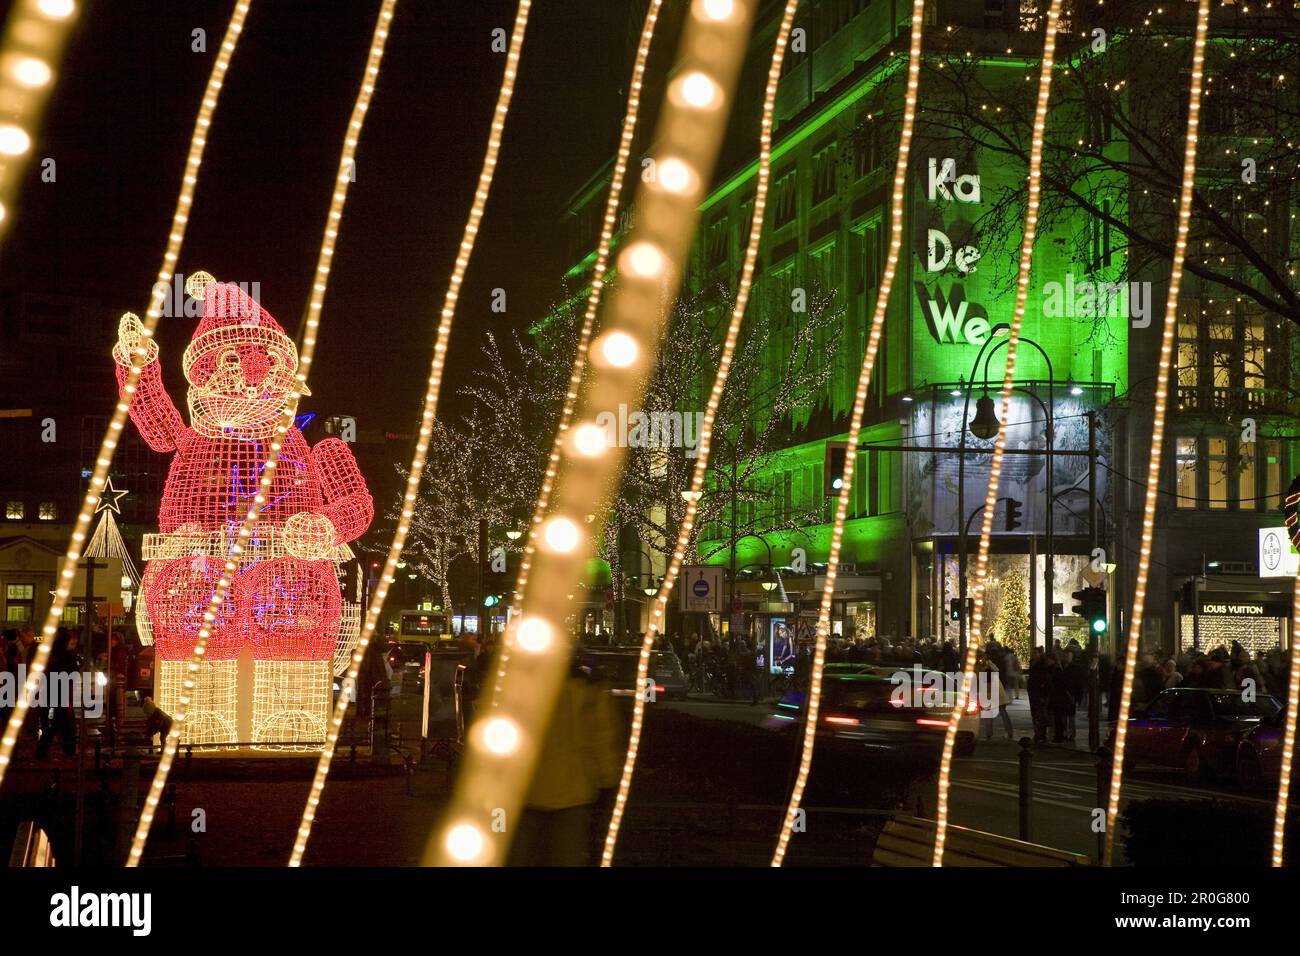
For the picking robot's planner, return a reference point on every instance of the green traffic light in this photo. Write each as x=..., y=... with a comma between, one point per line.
x=491, y=600
x=1099, y=625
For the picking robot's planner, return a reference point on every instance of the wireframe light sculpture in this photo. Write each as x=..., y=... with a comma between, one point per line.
x=284, y=601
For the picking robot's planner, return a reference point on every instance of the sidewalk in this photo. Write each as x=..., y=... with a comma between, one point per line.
x=1023, y=726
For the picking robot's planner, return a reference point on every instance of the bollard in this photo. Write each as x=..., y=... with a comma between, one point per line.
x=128, y=802
x=170, y=798
x=1103, y=796
x=1026, y=789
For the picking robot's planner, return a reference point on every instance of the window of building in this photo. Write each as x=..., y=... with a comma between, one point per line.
x=1246, y=476
x=1271, y=452
x=1219, y=472
x=1255, y=352
x=785, y=199
x=1189, y=346
x=20, y=602
x=46, y=511
x=824, y=174
x=716, y=243
x=866, y=147
x=14, y=510
x=869, y=257
x=1185, y=466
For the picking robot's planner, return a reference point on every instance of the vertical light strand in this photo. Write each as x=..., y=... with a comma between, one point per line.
x=311, y=325
x=855, y=429
x=1158, y=421
x=420, y=455
x=504, y=745
x=107, y=448
x=588, y=323
x=34, y=39
x=999, y=443
x=1288, y=736
x=706, y=430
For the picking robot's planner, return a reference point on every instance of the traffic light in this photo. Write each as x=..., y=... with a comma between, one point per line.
x=1091, y=607
x=836, y=452
x=1013, y=514
x=491, y=600
x=954, y=609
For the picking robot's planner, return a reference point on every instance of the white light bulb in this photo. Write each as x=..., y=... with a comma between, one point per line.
x=560, y=534
x=31, y=72
x=697, y=90
x=718, y=9
x=56, y=9
x=675, y=176
x=14, y=141
x=589, y=440
x=619, y=349
x=534, y=635
x=501, y=735
x=465, y=842
x=642, y=259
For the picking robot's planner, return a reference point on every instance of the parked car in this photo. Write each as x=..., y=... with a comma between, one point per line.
x=1259, y=755
x=1196, y=729
x=864, y=707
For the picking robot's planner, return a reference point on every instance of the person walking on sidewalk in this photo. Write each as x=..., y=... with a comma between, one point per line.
x=996, y=703
x=1039, y=689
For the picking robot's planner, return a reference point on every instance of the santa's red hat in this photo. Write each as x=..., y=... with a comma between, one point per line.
x=232, y=319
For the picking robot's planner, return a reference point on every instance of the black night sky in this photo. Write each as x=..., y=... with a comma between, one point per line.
x=120, y=120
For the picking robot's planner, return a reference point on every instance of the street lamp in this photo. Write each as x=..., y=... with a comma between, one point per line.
x=1049, y=420
x=514, y=534
x=997, y=331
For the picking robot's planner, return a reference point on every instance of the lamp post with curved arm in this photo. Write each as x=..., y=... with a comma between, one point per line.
x=1049, y=570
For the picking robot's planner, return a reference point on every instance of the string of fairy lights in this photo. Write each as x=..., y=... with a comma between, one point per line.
x=503, y=746
x=1288, y=738
x=33, y=44
x=607, y=228
x=706, y=429
x=99, y=474
x=999, y=444
x=1158, y=422
x=855, y=430
x=311, y=325
x=419, y=457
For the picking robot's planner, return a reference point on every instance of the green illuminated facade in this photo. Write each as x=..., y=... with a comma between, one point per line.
x=1091, y=313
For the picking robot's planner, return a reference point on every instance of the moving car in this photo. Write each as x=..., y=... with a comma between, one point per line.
x=862, y=705
x=1197, y=729
x=1259, y=755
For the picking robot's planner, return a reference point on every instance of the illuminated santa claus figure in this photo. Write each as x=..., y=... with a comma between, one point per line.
x=284, y=612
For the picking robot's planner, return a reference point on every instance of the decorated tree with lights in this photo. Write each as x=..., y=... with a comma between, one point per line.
x=1011, y=626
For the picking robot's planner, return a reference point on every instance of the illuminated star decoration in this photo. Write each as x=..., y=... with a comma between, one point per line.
x=109, y=492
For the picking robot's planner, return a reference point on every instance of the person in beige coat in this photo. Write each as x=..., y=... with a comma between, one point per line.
x=580, y=761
